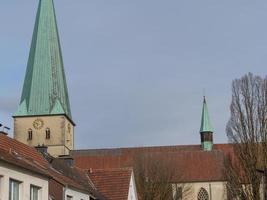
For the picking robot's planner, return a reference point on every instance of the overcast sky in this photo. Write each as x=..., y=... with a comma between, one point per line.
x=136, y=70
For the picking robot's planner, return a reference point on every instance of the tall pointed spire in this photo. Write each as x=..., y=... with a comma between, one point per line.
x=205, y=120
x=206, y=130
x=45, y=89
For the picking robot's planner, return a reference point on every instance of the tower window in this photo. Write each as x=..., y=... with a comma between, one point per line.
x=47, y=133
x=30, y=134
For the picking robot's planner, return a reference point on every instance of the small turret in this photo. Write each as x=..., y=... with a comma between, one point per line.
x=206, y=130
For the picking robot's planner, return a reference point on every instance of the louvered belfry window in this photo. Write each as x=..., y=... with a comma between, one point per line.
x=47, y=133
x=202, y=194
x=30, y=134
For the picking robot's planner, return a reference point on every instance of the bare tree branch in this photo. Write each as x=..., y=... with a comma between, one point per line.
x=246, y=129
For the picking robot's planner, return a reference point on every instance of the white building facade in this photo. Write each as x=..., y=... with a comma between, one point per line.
x=132, y=195
x=72, y=194
x=17, y=183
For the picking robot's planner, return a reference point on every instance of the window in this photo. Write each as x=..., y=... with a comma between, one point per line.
x=47, y=133
x=202, y=194
x=178, y=193
x=30, y=134
x=34, y=192
x=14, y=190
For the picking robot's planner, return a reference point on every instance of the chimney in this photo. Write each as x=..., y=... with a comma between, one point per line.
x=42, y=149
x=4, y=133
x=5, y=130
x=68, y=160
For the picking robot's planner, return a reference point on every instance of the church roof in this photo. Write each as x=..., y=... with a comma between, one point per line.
x=205, y=120
x=195, y=164
x=45, y=89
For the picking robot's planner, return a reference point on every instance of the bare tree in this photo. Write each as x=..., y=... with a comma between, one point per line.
x=155, y=175
x=247, y=131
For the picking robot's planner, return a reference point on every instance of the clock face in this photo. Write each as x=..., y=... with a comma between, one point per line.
x=38, y=123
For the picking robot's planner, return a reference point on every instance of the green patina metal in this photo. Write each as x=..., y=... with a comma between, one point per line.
x=45, y=89
x=207, y=145
x=205, y=120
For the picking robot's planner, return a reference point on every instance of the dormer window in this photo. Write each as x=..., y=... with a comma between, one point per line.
x=30, y=134
x=47, y=133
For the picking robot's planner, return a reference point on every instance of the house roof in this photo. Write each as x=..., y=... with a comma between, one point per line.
x=196, y=164
x=114, y=184
x=29, y=158
x=45, y=88
x=29, y=153
x=15, y=159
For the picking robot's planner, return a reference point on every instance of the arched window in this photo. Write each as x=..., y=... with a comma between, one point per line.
x=30, y=134
x=178, y=193
x=47, y=133
x=202, y=194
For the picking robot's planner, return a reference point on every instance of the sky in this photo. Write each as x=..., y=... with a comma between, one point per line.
x=137, y=70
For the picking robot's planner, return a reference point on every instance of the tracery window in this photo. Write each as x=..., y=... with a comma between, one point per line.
x=202, y=194
x=178, y=193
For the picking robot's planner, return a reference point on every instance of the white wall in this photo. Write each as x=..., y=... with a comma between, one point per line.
x=76, y=194
x=25, y=177
x=132, y=195
x=216, y=190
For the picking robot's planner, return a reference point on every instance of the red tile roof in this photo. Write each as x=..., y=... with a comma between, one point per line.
x=21, y=162
x=19, y=154
x=11, y=145
x=196, y=164
x=114, y=184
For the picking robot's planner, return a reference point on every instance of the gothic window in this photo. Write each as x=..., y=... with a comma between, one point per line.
x=202, y=194
x=30, y=134
x=47, y=133
x=178, y=193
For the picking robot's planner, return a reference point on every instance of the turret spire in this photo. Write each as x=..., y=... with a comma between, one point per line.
x=206, y=130
x=205, y=120
x=45, y=89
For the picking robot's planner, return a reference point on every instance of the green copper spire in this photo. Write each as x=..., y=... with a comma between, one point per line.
x=205, y=120
x=45, y=89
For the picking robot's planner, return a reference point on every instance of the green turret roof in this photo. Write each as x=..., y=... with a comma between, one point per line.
x=205, y=120
x=45, y=89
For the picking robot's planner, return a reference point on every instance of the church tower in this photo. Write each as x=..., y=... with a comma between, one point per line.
x=43, y=116
x=206, y=131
